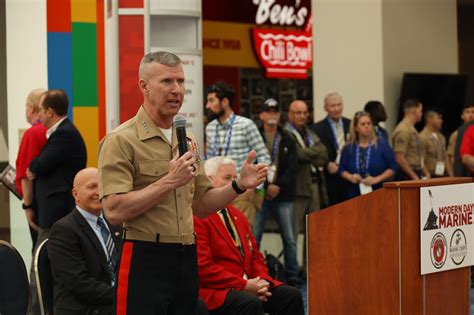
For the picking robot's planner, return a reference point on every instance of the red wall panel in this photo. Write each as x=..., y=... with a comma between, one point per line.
x=59, y=15
x=130, y=4
x=230, y=75
x=131, y=50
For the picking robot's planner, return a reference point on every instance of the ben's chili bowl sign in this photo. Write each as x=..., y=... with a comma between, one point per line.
x=284, y=54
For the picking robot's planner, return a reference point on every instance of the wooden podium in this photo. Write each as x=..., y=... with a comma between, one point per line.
x=364, y=257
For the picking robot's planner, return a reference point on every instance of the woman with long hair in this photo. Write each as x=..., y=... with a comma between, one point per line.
x=366, y=160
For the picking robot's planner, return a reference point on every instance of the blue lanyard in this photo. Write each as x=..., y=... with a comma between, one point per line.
x=307, y=138
x=229, y=136
x=276, y=140
x=367, y=159
x=334, y=133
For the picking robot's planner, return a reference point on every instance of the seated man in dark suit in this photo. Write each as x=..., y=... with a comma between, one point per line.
x=233, y=277
x=83, y=253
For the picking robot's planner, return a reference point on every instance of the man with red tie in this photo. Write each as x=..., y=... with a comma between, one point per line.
x=233, y=277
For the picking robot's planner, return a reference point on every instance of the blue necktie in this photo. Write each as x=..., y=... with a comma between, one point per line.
x=110, y=246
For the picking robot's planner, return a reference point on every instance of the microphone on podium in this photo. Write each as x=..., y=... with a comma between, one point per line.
x=179, y=123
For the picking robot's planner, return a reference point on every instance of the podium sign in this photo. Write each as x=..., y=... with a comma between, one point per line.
x=447, y=230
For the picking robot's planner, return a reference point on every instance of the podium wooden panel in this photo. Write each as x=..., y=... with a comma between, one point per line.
x=364, y=257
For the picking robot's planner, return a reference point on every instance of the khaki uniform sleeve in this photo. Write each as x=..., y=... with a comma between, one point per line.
x=202, y=182
x=116, y=170
x=451, y=144
x=401, y=141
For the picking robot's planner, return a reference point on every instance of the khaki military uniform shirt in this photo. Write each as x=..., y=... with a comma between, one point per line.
x=435, y=149
x=137, y=154
x=452, y=143
x=405, y=139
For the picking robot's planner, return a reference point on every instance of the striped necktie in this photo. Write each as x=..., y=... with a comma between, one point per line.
x=112, y=252
x=232, y=232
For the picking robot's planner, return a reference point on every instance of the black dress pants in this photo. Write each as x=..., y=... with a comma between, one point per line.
x=157, y=279
x=284, y=300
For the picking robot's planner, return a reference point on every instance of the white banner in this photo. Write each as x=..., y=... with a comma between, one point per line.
x=447, y=229
x=193, y=105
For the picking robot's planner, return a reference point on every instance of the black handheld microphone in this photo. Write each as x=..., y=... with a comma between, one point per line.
x=179, y=123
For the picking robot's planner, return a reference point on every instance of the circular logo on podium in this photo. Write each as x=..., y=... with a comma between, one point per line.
x=438, y=250
x=458, y=247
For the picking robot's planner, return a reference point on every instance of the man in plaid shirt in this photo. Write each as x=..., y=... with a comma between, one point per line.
x=234, y=136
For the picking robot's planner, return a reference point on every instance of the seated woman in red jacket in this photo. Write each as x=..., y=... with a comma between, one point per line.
x=233, y=277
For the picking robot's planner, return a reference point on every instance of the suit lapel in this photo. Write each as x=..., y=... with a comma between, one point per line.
x=220, y=227
x=87, y=230
x=331, y=133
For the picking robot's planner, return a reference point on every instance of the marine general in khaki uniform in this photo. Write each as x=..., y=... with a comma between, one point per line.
x=434, y=144
x=153, y=192
x=407, y=144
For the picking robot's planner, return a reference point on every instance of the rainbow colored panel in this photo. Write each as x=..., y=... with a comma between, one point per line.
x=87, y=120
x=84, y=64
x=76, y=64
x=59, y=64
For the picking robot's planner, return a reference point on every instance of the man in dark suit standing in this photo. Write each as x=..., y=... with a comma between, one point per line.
x=83, y=253
x=61, y=158
x=53, y=171
x=333, y=131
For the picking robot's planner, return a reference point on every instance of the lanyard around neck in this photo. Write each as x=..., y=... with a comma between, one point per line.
x=229, y=136
x=276, y=141
x=307, y=139
x=367, y=160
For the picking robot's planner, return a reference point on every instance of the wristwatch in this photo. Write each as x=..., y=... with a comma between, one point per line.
x=237, y=188
x=25, y=206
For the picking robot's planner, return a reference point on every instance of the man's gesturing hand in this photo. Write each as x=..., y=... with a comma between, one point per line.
x=252, y=175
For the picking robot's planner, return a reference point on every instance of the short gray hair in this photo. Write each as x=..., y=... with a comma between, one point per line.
x=332, y=94
x=161, y=57
x=34, y=98
x=212, y=165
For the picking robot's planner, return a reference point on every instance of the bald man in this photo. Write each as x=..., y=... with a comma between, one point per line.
x=83, y=253
x=312, y=155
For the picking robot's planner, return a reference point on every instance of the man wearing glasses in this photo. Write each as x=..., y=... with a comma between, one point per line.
x=310, y=190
